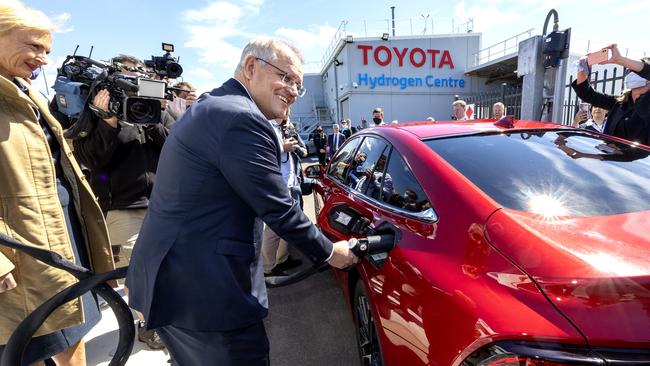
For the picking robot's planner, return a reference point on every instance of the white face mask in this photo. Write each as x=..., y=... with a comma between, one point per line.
x=633, y=81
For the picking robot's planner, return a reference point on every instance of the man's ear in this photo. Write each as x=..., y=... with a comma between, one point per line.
x=250, y=66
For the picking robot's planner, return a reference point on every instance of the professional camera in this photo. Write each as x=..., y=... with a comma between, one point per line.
x=135, y=100
x=165, y=65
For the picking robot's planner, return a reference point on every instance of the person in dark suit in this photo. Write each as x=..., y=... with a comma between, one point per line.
x=320, y=142
x=196, y=270
x=335, y=140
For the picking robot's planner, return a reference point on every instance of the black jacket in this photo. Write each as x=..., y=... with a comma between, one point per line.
x=627, y=120
x=320, y=141
x=122, y=160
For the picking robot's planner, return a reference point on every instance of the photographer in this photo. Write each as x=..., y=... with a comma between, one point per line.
x=183, y=99
x=122, y=158
x=629, y=113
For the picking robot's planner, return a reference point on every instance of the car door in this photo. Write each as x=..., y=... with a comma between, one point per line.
x=386, y=192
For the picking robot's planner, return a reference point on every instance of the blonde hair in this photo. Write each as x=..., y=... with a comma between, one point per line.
x=184, y=85
x=628, y=92
x=459, y=102
x=13, y=14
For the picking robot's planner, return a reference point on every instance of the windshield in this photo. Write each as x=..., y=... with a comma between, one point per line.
x=555, y=173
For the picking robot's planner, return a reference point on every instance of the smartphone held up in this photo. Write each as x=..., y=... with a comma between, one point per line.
x=597, y=57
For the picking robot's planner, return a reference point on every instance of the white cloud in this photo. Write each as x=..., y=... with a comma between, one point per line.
x=219, y=12
x=201, y=73
x=210, y=27
x=253, y=5
x=486, y=17
x=320, y=36
x=60, y=23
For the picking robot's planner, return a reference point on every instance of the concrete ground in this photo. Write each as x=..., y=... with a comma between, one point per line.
x=309, y=323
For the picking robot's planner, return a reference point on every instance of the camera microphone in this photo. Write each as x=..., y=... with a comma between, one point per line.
x=126, y=85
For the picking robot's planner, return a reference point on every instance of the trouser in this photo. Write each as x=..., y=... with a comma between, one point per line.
x=321, y=158
x=123, y=229
x=274, y=249
x=240, y=347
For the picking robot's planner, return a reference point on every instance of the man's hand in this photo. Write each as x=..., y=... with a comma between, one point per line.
x=342, y=257
x=290, y=145
x=190, y=98
x=101, y=101
x=7, y=283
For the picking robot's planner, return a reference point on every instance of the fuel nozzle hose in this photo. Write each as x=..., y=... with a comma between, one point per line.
x=88, y=281
x=361, y=247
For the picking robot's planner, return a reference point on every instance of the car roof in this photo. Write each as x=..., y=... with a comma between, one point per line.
x=427, y=129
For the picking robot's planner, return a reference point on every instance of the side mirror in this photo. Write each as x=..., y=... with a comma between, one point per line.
x=307, y=186
x=313, y=172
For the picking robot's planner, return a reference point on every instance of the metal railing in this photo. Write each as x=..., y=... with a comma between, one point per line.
x=498, y=50
x=509, y=95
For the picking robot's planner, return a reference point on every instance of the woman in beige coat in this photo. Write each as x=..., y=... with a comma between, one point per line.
x=44, y=200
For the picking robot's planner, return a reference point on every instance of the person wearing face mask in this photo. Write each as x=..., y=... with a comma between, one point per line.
x=629, y=113
x=320, y=141
x=378, y=116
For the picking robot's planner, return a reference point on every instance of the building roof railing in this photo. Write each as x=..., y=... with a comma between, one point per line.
x=503, y=48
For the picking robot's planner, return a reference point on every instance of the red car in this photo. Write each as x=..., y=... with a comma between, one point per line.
x=518, y=245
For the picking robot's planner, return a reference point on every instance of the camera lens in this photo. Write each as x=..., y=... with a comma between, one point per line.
x=174, y=70
x=142, y=110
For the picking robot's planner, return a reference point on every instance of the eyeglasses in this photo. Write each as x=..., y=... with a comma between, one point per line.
x=286, y=79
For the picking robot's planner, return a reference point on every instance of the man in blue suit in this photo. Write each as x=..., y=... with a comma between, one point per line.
x=335, y=140
x=195, y=270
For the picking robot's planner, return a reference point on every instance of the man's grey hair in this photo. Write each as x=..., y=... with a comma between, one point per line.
x=126, y=58
x=499, y=104
x=266, y=49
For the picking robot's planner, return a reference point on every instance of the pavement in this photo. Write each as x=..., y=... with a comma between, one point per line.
x=309, y=323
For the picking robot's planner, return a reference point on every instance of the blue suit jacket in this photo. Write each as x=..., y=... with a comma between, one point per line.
x=218, y=170
x=330, y=142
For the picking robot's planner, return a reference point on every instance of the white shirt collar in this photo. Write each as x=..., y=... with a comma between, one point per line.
x=244, y=86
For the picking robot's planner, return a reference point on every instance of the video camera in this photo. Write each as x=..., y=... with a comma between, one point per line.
x=133, y=99
x=165, y=65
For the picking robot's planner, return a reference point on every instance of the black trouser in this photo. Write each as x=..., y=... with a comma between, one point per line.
x=240, y=347
x=321, y=158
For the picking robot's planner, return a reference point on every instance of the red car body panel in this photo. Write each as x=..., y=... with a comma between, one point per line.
x=594, y=269
x=446, y=290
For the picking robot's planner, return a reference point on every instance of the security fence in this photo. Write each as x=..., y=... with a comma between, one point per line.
x=509, y=95
x=607, y=81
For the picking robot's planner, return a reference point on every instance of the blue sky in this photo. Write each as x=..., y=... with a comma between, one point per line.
x=209, y=35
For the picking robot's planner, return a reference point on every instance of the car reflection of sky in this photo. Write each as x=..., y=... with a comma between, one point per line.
x=547, y=206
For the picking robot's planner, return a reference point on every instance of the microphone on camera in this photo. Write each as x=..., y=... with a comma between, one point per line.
x=126, y=85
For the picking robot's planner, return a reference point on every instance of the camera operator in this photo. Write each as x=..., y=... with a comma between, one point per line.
x=182, y=99
x=122, y=158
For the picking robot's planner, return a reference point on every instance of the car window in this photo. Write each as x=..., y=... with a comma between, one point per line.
x=400, y=188
x=554, y=173
x=338, y=168
x=366, y=170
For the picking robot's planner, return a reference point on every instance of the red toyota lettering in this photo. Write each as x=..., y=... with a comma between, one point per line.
x=400, y=56
x=423, y=57
x=446, y=60
x=433, y=54
x=389, y=56
x=365, y=49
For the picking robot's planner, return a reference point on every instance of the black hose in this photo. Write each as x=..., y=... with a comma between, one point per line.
x=88, y=281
